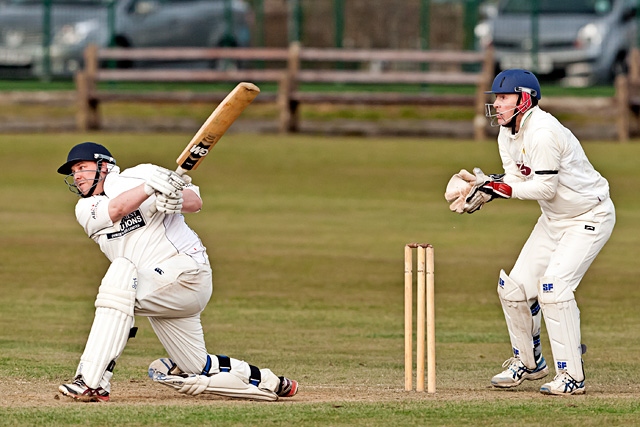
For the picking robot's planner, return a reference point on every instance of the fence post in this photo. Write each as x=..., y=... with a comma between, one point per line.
x=86, y=84
x=289, y=115
x=484, y=85
x=622, y=104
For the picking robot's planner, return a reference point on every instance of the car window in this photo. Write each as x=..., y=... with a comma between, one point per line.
x=594, y=7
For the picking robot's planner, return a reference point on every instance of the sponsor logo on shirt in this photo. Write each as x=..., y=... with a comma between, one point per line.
x=129, y=223
x=524, y=169
x=94, y=210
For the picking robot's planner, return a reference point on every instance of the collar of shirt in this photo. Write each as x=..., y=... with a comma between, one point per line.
x=523, y=122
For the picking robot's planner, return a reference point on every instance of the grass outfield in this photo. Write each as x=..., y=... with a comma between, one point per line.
x=306, y=236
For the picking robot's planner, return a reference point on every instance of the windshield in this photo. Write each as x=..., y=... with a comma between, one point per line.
x=592, y=7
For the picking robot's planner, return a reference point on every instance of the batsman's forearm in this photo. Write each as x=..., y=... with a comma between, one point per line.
x=191, y=202
x=126, y=202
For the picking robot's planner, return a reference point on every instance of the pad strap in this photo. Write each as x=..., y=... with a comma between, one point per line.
x=207, y=366
x=224, y=363
x=256, y=376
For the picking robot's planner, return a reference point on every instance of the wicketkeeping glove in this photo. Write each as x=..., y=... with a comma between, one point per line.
x=486, y=188
x=169, y=205
x=497, y=189
x=457, y=189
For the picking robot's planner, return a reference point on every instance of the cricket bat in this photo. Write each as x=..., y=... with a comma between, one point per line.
x=215, y=126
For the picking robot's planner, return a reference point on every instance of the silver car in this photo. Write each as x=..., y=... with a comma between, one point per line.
x=582, y=42
x=139, y=23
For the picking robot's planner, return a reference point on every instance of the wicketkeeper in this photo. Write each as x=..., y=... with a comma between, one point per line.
x=542, y=161
x=159, y=269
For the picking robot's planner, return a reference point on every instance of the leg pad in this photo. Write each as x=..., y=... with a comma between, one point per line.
x=519, y=319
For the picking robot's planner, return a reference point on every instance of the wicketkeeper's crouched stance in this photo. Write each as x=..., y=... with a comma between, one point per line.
x=159, y=269
x=542, y=161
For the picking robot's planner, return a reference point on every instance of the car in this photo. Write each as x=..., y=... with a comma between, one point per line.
x=579, y=42
x=136, y=23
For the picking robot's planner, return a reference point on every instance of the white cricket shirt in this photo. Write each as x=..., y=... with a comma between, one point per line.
x=544, y=161
x=143, y=239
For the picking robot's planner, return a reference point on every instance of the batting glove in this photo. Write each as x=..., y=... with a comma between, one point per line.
x=164, y=181
x=169, y=205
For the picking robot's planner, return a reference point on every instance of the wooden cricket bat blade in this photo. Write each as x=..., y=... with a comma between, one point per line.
x=216, y=125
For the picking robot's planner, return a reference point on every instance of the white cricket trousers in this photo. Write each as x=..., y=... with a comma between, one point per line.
x=172, y=295
x=563, y=248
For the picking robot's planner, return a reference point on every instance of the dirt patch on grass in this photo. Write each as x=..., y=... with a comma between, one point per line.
x=19, y=393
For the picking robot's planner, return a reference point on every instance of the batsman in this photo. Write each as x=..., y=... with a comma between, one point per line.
x=542, y=161
x=160, y=270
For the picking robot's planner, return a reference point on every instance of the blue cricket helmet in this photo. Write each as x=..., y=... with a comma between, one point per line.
x=514, y=80
x=86, y=151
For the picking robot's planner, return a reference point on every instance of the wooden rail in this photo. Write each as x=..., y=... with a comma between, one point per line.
x=100, y=66
x=289, y=68
x=420, y=67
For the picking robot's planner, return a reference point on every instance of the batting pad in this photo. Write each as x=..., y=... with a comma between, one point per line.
x=112, y=322
x=520, y=321
x=222, y=384
x=562, y=317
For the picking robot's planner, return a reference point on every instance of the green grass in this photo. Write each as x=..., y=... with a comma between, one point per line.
x=472, y=413
x=306, y=237
x=550, y=88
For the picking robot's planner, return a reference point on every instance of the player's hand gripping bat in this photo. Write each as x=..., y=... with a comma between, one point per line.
x=214, y=127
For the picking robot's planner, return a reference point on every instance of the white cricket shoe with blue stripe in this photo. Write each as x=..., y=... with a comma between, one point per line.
x=515, y=373
x=563, y=385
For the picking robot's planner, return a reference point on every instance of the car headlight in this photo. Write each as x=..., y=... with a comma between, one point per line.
x=483, y=32
x=588, y=36
x=77, y=33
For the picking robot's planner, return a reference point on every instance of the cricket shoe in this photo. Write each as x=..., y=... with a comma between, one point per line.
x=563, y=385
x=78, y=390
x=287, y=388
x=516, y=373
